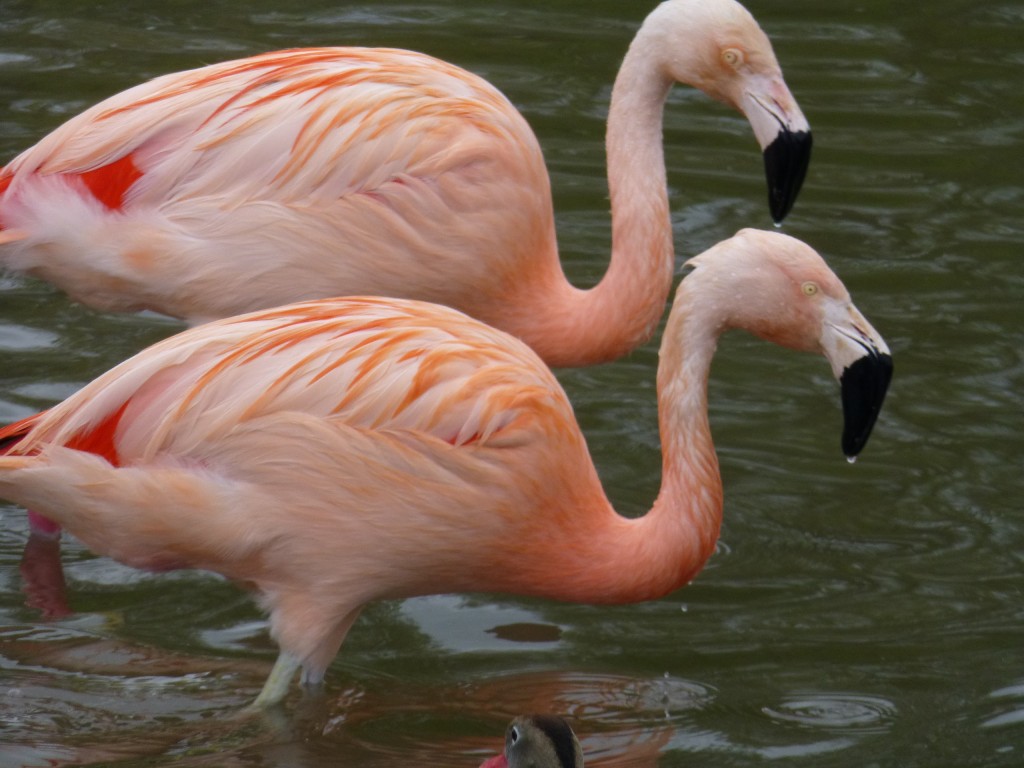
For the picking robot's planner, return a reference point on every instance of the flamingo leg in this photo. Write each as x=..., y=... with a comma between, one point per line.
x=43, y=526
x=276, y=686
x=314, y=665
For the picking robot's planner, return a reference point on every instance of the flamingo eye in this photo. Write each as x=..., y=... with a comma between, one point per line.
x=733, y=57
x=809, y=288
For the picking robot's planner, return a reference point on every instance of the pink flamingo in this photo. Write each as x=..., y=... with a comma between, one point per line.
x=339, y=451
x=351, y=171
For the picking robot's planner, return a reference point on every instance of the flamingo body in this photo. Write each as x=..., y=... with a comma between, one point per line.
x=288, y=172
x=339, y=451
x=307, y=173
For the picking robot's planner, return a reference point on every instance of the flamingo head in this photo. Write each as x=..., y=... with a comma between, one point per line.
x=718, y=47
x=781, y=290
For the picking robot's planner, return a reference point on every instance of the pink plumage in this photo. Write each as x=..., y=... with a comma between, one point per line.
x=339, y=451
x=303, y=174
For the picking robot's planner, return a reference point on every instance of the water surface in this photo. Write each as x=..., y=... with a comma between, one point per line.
x=865, y=615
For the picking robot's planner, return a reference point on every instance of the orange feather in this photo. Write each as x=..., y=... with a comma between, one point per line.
x=11, y=434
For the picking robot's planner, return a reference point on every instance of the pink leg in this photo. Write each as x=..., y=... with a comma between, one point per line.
x=42, y=526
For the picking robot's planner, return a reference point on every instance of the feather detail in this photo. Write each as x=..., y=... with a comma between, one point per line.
x=438, y=374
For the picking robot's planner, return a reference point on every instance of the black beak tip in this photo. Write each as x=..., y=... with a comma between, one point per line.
x=785, y=165
x=864, y=385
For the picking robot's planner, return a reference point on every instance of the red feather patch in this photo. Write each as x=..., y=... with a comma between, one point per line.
x=100, y=439
x=110, y=183
x=11, y=434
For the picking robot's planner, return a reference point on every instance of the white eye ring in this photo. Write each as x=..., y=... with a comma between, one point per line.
x=809, y=288
x=733, y=57
x=514, y=734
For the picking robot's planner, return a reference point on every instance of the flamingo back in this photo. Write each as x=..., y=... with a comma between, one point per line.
x=372, y=169
x=370, y=363
x=279, y=123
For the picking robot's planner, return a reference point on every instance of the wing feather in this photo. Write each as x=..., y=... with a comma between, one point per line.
x=375, y=364
x=302, y=122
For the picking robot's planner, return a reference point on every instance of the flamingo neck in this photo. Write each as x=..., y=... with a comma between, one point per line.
x=669, y=545
x=673, y=541
x=568, y=326
x=612, y=559
x=690, y=502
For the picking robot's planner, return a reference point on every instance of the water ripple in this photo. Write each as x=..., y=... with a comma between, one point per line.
x=1011, y=700
x=837, y=712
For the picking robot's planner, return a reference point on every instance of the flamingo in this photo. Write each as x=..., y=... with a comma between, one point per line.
x=539, y=741
x=339, y=451
x=302, y=174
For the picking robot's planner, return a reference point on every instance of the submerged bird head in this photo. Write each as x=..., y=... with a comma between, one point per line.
x=539, y=741
x=718, y=47
x=781, y=290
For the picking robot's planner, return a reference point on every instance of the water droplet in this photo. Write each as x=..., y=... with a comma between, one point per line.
x=683, y=608
x=851, y=459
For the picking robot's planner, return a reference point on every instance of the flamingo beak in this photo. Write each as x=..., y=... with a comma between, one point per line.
x=785, y=138
x=863, y=384
x=861, y=361
x=785, y=165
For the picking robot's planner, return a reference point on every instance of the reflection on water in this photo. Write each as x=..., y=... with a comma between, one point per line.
x=852, y=615
x=42, y=576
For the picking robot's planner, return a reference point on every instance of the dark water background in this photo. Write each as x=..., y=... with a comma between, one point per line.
x=865, y=615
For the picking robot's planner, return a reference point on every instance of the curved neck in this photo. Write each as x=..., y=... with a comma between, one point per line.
x=572, y=327
x=606, y=558
x=678, y=535
x=690, y=499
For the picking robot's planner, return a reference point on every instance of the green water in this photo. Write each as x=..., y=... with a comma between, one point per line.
x=865, y=615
